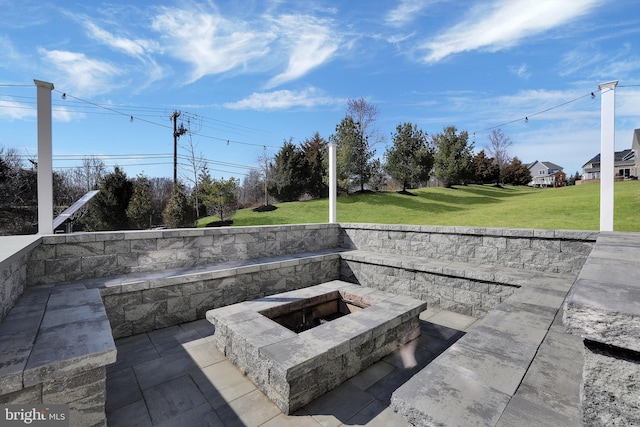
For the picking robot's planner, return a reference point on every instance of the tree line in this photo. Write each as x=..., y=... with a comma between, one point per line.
x=297, y=171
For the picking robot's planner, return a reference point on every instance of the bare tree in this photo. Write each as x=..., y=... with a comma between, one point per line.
x=90, y=174
x=196, y=164
x=499, y=147
x=264, y=161
x=365, y=115
x=252, y=188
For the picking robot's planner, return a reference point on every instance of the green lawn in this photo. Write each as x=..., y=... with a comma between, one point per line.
x=571, y=208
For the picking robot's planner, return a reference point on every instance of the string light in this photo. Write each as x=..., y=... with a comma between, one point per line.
x=526, y=118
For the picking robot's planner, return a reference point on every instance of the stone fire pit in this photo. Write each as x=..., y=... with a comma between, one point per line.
x=342, y=329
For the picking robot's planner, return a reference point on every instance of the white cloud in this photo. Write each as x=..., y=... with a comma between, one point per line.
x=208, y=41
x=521, y=71
x=130, y=47
x=503, y=24
x=83, y=75
x=283, y=100
x=16, y=110
x=406, y=11
x=310, y=41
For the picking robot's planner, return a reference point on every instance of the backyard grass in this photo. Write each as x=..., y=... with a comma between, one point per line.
x=569, y=208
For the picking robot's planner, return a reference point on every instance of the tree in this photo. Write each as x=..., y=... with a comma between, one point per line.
x=517, y=173
x=378, y=180
x=161, y=189
x=453, y=161
x=195, y=164
x=108, y=210
x=499, y=147
x=353, y=154
x=287, y=173
x=365, y=114
x=140, y=208
x=486, y=169
x=178, y=212
x=315, y=150
x=221, y=197
x=264, y=160
x=410, y=159
x=251, y=193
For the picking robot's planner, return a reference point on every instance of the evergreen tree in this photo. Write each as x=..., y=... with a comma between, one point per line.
x=315, y=150
x=486, y=169
x=517, y=173
x=221, y=197
x=353, y=154
x=453, y=160
x=108, y=210
x=178, y=212
x=140, y=208
x=410, y=159
x=287, y=175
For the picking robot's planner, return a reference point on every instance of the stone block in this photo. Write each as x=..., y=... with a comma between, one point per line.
x=25, y=395
x=611, y=386
x=117, y=247
x=77, y=250
x=467, y=401
x=70, y=389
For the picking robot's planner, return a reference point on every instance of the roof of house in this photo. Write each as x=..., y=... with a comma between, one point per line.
x=619, y=156
x=548, y=165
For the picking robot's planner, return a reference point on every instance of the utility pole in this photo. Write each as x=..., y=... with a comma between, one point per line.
x=177, y=132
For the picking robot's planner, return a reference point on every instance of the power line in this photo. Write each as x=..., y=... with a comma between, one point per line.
x=526, y=118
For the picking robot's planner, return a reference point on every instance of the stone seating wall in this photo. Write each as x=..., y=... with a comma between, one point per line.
x=555, y=251
x=145, y=280
x=71, y=257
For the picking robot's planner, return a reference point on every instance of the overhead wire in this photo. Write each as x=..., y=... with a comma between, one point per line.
x=527, y=117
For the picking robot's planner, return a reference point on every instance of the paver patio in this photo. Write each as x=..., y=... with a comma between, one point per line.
x=176, y=376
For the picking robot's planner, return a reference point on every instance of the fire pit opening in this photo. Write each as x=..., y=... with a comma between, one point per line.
x=300, y=316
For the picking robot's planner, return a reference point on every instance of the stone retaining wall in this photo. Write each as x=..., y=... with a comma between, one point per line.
x=13, y=269
x=63, y=258
x=462, y=295
x=557, y=251
x=133, y=310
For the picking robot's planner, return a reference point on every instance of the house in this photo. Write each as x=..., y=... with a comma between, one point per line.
x=626, y=162
x=543, y=174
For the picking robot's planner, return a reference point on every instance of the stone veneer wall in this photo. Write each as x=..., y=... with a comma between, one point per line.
x=141, y=310
x=462, y=295
x=13, y=271
x=557, y=251
x=70, y=257
x=604, y=309
x=85, y=393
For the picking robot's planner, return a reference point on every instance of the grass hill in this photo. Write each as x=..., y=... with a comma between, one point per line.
x=570, y=208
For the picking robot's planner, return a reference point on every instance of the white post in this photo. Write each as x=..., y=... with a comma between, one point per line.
x=607, y=152
x=45, y=163
x=332, y=183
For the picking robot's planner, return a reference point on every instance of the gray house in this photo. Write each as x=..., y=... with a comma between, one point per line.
x=543, y=173
x=626, y=163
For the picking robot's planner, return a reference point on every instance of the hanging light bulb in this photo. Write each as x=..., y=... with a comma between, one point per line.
x=64, y=95
x=593, y=95
x=526, y=119
x=131, y=119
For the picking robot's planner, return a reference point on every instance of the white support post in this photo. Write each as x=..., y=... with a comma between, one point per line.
x=607, y=153
x=332, y=183
x=45, y=162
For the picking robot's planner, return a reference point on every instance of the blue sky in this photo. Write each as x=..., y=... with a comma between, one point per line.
x=250, y=74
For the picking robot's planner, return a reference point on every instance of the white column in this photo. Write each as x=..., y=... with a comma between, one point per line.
x=45, y=163
x=607, y=152
x=332, y=183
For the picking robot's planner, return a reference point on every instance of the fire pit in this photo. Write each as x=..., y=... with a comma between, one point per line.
x=296, y=346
